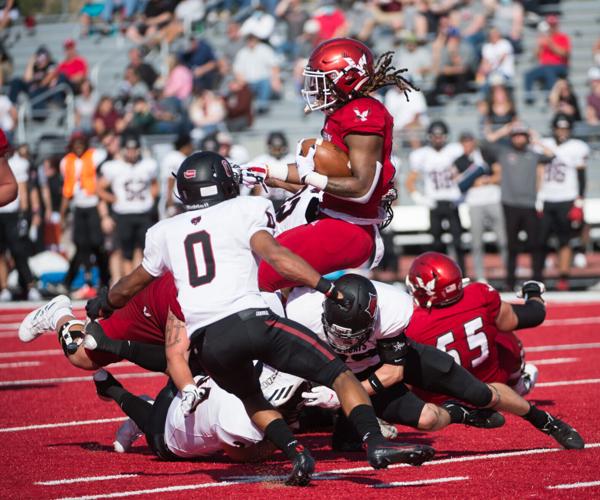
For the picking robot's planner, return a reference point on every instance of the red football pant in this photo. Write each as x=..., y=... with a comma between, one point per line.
x=327, y=244
x=511, y=358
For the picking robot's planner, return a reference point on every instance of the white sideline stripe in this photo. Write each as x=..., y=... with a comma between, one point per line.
x=470, y=458
x=84, y=479
x=421, y=482
x=571, y=321
x=63, y=424
x=30, y=354
x=12, y=326
x=569, y=382
x=562, y=347
x=5, y=383
x=574, y=485
x=20, y=364
x=552, y=361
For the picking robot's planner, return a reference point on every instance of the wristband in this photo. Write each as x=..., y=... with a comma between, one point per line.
x=326, y=287
x=316, y=179
x=278, y=171
x=375, y=383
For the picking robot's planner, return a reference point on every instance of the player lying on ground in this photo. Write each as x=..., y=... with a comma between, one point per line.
x=212, y=251
x=217, y=423
x=474, y=326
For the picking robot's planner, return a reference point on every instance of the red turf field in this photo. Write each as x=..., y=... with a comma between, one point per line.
x=56, y=435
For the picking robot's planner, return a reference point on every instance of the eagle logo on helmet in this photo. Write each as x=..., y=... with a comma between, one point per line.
x=359, y=66
x=372, y=305
x=428, y=287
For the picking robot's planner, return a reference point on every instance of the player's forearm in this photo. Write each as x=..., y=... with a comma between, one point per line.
x=179, y=370
x=347, y=187
x=292, y=267
x=128, y=286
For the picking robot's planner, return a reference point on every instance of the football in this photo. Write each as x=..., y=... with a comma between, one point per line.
x=329, y=159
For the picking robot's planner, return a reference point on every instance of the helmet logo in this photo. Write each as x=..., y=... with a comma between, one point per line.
x=359, y=66
x=429, y=287
x=361, y=115
x=190, y=173
x=372, y=306
x=227, y=168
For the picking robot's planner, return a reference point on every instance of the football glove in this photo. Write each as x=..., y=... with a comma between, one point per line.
x=99, y=307
x=305, y=164
x=322, y=396
x=531, y=289
x=252, y=175
x=191, y=397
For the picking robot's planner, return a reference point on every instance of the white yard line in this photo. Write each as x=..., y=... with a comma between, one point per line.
x=61, y=380
x=75, y=423
x=321, y=475
x=30, y=354
x=421, y=482
x=562, y=347
x=552, y=361
x=593, y=320
x=574, y=485
x=20, y=364
x=84, y=479
x=569, y=382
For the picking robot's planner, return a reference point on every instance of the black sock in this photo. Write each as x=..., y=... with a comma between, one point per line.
x=149, y=356
x=137, y=409
x=536, y=417
x=116, y=392
x=364, y=420
x=281, y=436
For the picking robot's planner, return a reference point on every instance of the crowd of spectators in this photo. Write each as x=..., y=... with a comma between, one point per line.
x=463, y=50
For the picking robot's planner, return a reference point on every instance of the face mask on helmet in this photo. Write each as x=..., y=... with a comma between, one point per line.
x=317, y=91
x=343, y=339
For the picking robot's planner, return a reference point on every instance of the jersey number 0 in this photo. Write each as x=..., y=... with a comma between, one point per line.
x=200, y=257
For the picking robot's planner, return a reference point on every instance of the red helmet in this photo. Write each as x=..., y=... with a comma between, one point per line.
x=434, y=279
x=336, y=69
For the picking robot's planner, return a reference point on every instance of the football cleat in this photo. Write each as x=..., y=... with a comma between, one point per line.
x=483, y=418
x=527, y=381
x=303, y=465
x=40, y=320
x=104, y=380
x=127, y=434
x=563, y=433
x=382, y=455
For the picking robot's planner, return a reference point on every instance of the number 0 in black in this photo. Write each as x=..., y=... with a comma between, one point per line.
x=202, y=238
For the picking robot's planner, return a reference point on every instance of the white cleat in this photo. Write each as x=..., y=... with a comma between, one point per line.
x=527, y=381
x=39, y=320
x=388, y=430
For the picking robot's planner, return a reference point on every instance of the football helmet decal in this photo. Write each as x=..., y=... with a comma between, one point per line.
x=434, y=279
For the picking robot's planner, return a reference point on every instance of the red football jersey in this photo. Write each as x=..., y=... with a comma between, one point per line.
x=466, y=330
x=364, y=115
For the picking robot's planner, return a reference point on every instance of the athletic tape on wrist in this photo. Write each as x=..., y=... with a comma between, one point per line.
x=316, y=179
x=278, y=171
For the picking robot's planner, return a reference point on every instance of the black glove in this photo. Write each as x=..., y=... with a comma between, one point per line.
x=99, y=307
x=531, y=289
x=330, y=291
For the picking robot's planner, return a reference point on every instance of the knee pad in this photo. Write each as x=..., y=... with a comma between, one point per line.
x=70, y=336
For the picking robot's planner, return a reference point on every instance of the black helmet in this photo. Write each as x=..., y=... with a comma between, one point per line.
x=277, y=144
x=437, y=127
x=348, y=328
x=562, y=120
x=205, y=179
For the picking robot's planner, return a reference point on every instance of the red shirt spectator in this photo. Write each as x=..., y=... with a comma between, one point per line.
x=332, y=22
x=555, y=47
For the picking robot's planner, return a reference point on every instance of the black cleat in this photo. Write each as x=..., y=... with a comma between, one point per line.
x=483, y=418
x=303, y=466
x=104, y=380
x=563, y=433
x=387, y=453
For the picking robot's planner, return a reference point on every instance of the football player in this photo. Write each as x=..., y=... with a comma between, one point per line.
x=8, y=183
x=340, y=77
x=212, y=251
x=434, y=163
x=130, y=186
x=562, y=191
x=474, y=326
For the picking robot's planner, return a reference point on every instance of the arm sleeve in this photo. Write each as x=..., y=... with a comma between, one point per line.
x=154, y=252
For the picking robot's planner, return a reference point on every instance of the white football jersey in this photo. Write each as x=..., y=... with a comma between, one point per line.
x=293, y=212
x=130, y=183
x=437, y=171
x=208, y=251
x=394, y=311
x=560, y=175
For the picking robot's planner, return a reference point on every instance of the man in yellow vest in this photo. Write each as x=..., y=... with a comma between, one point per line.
x=90, y=216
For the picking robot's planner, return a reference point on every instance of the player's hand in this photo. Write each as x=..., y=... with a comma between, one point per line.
x=532, y=289
x=539, y=206
x=322, y=396
x=191, y=397
x=420, y=199
x=4, y=145
x=305, y=164
x=99, y=307
x=254, y=174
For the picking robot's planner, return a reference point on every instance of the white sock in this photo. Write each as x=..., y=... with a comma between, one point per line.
x=61, y=313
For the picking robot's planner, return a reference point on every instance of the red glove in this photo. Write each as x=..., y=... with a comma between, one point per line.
x=575, y=214
x=4, y=144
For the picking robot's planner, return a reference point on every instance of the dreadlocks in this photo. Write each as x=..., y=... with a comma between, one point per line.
x=386, y=74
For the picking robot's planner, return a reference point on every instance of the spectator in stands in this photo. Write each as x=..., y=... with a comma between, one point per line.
x=482, y=196
x=256, y=64
x=498, y=109
x=144, y=70
x=90, y=216
x=9, y=13
x=331, y=20
x=410, y=116
x=157, y=16
x=206, y=112
x=186, y=15
x=416, y=58
x=51, y=185
x=387, y=13
x=180, y=80
x=470, y=18
x=508, y=17
x=238, y=104
x=106, y=118
x=592, y=108
x=85, y=108
x=294, y=15
x=563, y=100
x=6, y=66
x=128, y=8
x=429, y=15
x=553, y=51
x=139, y=119
x=36, y=79
x=596, y=53
x=73, y=69
x=235, y=153
x=497, y=58
x=8, y=116
x=260, y=24
x=521, y=167
x=201, y=59
x=169, y=165
x=132, y=86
